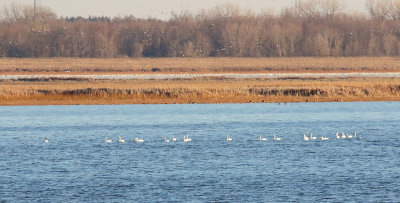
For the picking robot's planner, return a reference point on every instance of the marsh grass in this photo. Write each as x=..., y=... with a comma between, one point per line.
x=197, y=65
x=202, y=90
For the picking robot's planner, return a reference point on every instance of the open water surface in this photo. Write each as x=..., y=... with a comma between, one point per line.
x=78, y=166
x=226, y=75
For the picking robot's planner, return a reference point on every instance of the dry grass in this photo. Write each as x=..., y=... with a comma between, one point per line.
x=202, y=65
x=205, y=90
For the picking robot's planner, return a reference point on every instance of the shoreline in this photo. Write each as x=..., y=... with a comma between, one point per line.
x=77, y=103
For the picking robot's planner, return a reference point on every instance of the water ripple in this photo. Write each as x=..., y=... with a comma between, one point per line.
x=77, y=165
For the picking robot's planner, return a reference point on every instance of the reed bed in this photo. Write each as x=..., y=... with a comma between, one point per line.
x=197, y=65
x=203, y=90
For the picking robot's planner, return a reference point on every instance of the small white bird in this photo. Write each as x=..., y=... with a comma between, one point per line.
x=262, y=138
x=356, y=137
x=276, y=138
x=349, y=136
x=324, y=138
x=343, y=136
x=120, y=140
x=228, y=138
x=138, y=140
x=311, y=137
x=305, y=138
x=166, y=140
x=107, y=140
x=186, y=138
x=46, y=140
x=337, y=135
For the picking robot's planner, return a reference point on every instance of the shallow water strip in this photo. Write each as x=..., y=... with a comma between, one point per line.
x=186, y=76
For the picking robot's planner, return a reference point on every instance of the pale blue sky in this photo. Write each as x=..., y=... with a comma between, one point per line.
x=159, y=8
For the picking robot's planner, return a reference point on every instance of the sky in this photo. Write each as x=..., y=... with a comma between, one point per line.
x=159, y=8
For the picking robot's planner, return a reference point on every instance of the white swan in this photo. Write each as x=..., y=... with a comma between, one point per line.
x=262, y=138
x=166, y=140
x=356, y=137
x=107, y=140
x=186, y=138
x=173, y=139
x=337, y=135
x=276, y=138
x=349, y=136
x=311, y=137
x=305, y=138
x=120, y=140
x=324, y=138
x=138, y=140
x=228, y=138
x=343, y=136
x=46, y=140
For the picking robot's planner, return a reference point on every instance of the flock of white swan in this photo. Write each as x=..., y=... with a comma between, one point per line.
x=229, y=139
x=322, y=138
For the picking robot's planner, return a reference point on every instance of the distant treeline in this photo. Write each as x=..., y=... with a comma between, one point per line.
x=310, y=28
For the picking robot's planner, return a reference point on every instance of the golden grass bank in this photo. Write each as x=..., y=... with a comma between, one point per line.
x=200, y=90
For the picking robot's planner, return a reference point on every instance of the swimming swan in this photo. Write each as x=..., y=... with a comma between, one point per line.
x=166, y=140
x=138, y=140
x=324, y=138
x=343, y=136
x=228, y=138
x=276, y=138
x=337, y=135
x=173, y=139
x=46, y=140
x=262, y=138
x=305, y=138
x=349, y=136
x=186, y=138
x=356, y=137
x=120, y=140
x=107, y=140
x=311, y=137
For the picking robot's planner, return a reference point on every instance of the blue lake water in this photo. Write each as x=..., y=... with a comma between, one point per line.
x=78, y=166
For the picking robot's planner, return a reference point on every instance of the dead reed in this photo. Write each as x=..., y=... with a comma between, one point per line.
x=203, y=90
x=203, y=65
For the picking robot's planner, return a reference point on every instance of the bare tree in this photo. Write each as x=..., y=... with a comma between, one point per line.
x=309, y=9
x=395, y=10
x=318, y=28
x=379, y=9
x=330, y=7
x=13, y=13
x=202, y=45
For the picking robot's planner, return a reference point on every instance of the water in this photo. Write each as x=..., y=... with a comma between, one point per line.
x=78, y=166
x=227, y=75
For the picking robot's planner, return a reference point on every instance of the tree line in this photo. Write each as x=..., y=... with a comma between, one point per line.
x=310, y=28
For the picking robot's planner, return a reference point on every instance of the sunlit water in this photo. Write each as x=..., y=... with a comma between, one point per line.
x=226, y=75
x=78, y=166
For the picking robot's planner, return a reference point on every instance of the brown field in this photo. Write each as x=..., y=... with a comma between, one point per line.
x=197, y=65
x=203, y=90
x=196, y=90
